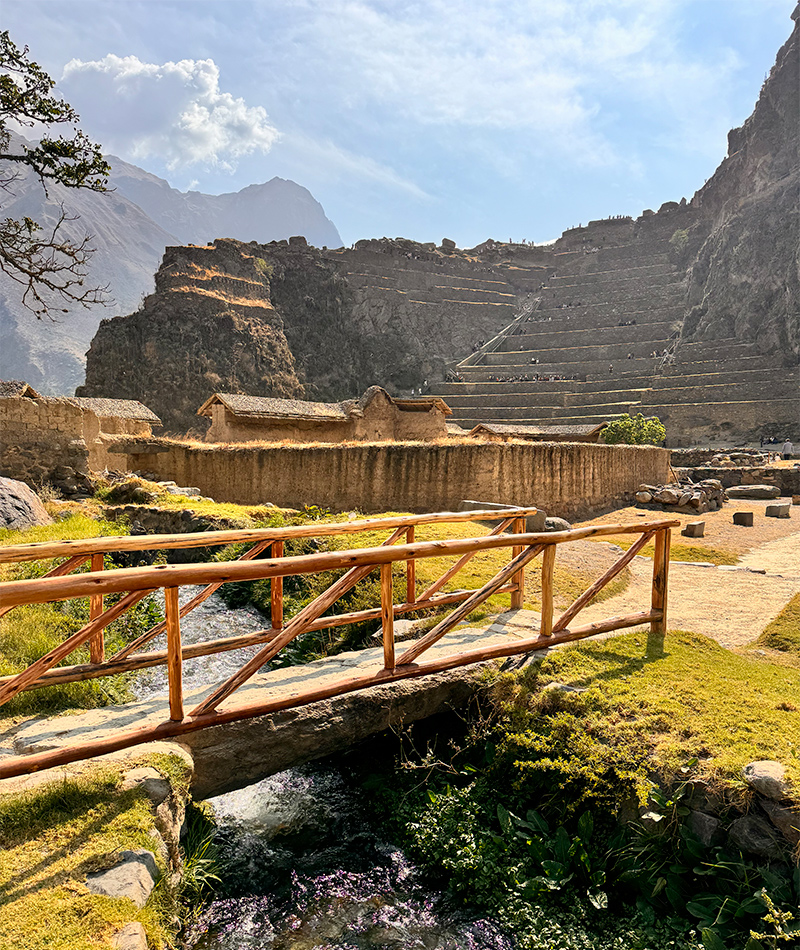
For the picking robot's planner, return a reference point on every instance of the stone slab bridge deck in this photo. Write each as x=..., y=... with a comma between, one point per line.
x=237, y=754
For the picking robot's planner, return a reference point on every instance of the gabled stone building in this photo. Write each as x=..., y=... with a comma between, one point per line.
x=374, y=417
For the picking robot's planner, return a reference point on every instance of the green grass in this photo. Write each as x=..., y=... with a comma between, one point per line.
x=783, y=633
x=27, y=633
x=645, y=718
x=678, y=551
x=51, y=837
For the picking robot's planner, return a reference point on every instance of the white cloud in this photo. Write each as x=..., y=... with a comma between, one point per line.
x=175, y=111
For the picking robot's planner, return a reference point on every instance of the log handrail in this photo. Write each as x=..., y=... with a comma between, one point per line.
x=44, y=590
x=39, y=550
x=135, y=583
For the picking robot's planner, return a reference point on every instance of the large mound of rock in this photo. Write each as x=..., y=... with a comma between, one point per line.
x=20, y=506
x=691, y=498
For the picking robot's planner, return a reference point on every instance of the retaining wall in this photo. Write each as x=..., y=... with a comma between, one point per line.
x=563, y=478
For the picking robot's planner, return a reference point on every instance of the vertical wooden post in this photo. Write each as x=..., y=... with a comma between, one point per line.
x=658, y=628
x=276, y=591
x=174, y=656
x=548, y=565
x=97, y=647
x=518, y=595
x=411, y=571
x=387, y=616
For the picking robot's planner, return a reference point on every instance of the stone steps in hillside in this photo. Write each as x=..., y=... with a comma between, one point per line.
x=513, y=399
x=516, y=414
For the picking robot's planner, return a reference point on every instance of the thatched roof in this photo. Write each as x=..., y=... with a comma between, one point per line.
x=266, y=408
x=16, y=387
x=539, y=432
x=116, y=408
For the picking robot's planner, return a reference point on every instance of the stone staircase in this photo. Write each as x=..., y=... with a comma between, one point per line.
x=598, y=320
x=601, y=315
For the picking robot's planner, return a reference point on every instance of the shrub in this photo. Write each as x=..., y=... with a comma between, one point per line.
x=635, y=430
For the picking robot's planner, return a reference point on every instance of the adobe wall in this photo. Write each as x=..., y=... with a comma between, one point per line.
x=41, y=440
x=562, y=478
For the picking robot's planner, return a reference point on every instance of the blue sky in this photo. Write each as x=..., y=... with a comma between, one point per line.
x=465, y=119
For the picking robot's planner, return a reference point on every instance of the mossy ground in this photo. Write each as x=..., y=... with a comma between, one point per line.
x=783, y=633
x=680, y=552
x=651, y=716
x=52, y=836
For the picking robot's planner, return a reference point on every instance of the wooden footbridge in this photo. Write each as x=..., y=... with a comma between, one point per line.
x=266, y=560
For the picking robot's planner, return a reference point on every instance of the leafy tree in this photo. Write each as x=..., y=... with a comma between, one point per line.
x=50, y=267
x=635, y=430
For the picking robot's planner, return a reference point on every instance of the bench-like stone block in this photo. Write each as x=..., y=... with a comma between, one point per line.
x=754, y=491
x=744, y=518
x=694, y=529
x=533, y=523
x=778, y=511
x=796, y=499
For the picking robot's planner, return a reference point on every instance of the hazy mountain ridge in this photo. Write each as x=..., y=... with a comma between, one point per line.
x=131, y=225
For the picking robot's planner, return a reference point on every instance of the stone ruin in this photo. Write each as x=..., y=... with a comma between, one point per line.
x=687, y=497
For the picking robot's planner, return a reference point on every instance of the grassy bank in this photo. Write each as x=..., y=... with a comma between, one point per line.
x=53, y=836
x=537, y=815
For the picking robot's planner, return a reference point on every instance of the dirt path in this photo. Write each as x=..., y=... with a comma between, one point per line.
x=730, y=605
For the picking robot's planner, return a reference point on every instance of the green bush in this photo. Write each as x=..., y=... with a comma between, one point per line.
x=635, y=430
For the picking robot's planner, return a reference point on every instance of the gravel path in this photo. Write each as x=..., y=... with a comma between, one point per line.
x=731, y=605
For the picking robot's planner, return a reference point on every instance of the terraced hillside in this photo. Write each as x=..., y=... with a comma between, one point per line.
x=606, y=336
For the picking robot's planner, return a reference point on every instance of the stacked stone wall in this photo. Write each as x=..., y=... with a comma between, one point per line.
x=42, y=441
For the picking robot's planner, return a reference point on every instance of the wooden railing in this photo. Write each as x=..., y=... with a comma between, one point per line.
x=135, y=583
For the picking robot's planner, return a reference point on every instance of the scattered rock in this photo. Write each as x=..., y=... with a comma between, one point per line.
x=744, y=518
x=563, y=688
x=768, y=778
x=131, y=937
x=777, y=511
x=703, y=826
x=20, y=506
x=152, y=782
x=786, y=820
x=755, y=836
x=754, y=491
x=133, y=877
x=708, y=495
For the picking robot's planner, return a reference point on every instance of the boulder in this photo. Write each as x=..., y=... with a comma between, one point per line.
x=644, y=497
x=703, y=826
x=777, y=511
x=694, y=529
x=767, y=778
x=754, y=491
x=151, y=781
x=668, y=496
x=786, y=820
x=20, y=506
x=755, y=836
x=133, y=877
x=556, y=524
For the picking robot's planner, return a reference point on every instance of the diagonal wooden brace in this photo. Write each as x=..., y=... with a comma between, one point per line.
x=451, y=572
x=588, y=595
x=44, y=663
x=135, y=645
x=297, y=625
x=469, y=605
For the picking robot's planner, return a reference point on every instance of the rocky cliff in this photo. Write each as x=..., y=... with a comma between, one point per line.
x=210, y=326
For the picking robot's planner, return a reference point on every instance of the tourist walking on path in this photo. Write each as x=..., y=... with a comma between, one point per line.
x=788, y=449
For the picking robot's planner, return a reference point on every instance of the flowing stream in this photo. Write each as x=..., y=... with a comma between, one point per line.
x=304, y=868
